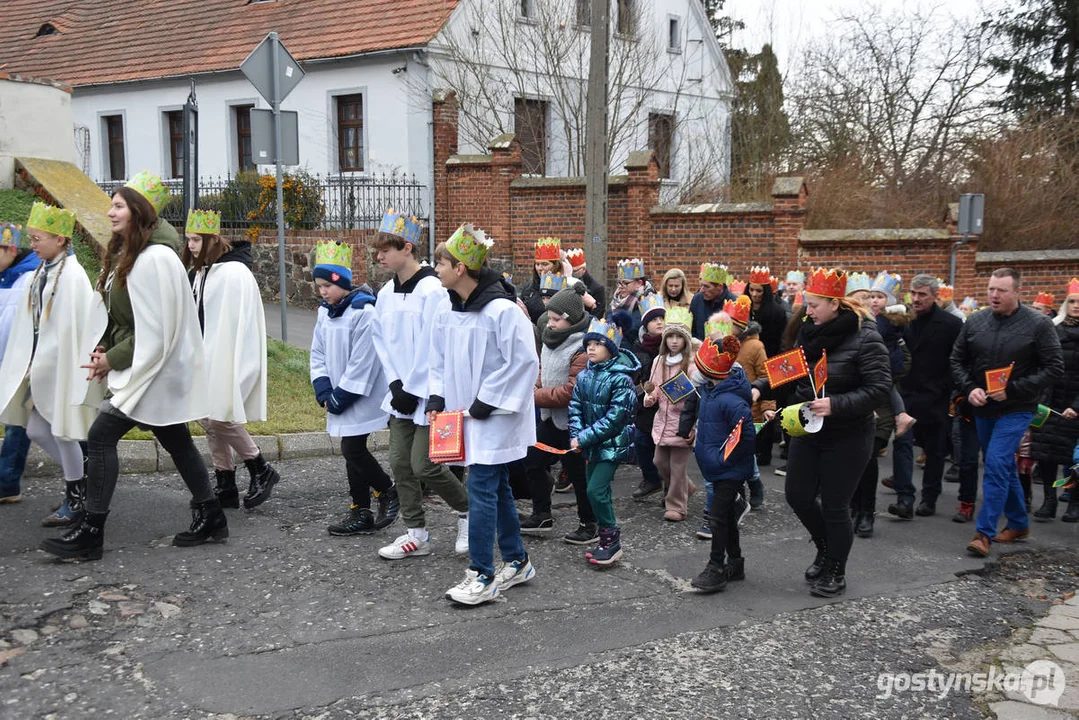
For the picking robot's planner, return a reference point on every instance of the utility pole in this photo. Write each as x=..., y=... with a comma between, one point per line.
x=595, y=162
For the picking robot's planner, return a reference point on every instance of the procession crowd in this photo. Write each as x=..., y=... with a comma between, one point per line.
x=544, y=388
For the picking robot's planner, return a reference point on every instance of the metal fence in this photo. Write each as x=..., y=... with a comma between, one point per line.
x=327, y=202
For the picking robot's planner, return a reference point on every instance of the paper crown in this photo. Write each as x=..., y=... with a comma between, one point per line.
x=760, y=275
x=774, y=282
x=650, y=303
x=333, y=253
x=717, y=360
x=10, y=235
x=203, y=222
x=737, y=287
x=607, y=331
x=858, y=281
x=739, y=310
x=718, y=327
x=631, y=269
x=679, y=315
x=50, y=219
x=945, y=293
x=827, y=283
x=1073, y=287
x=408, y=229
x=974, y=303
x=715, y=273
x=548, y=249
x=469, y=245
x=888, y=284
x=575, y=257
x=151, y=188
x=796, y=276
x=1044, y=298
x=551, y=283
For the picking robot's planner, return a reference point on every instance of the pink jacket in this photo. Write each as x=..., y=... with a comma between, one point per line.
x=665, y=426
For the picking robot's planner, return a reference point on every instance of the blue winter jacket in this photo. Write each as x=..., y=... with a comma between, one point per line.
x=722, y=405
x=602, y=408
x=28, y=263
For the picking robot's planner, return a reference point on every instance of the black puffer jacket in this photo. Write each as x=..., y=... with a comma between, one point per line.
x=859, y=380
x=989, y=341
x=1054, y=442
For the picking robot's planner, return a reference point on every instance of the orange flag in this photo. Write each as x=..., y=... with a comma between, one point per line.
x=820, y=374
x=786, y=367
x=997, y=380
x=732, y=441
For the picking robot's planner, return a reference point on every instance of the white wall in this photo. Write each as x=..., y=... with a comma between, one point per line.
x=35, y=121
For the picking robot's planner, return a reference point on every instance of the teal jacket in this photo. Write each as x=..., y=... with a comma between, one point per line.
x=602, y=408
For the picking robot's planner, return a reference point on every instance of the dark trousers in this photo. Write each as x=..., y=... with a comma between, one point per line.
x=646, y=451
x=828, y=467
x=13, y=459
x=363, y=470
x=723, y=519
x=966, y=449
x=766, y=437
x=537, y=463
x=865, y=495
x=104, y=466
x=932, y=437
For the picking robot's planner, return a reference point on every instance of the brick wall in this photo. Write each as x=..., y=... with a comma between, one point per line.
x=1039, y=270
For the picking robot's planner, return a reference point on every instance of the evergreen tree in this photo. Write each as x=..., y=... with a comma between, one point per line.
x=722, y=25
x=760, y=130
x=1044, y=37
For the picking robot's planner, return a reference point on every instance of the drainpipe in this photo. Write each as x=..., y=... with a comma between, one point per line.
x=955, y=248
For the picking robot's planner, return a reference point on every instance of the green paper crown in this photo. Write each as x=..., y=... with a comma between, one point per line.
x=470, y=246
x=679, y=315
x=333, y=253
x=47, y=218
x=204, y=222
x=723, y=328
x=151, y=188
x=715, y=274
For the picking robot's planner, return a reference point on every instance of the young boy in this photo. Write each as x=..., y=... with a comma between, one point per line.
x=349, y=382
x=601, y=415
x=405, y=309
x=17, y=265
x=725, y=400
x=483, y=360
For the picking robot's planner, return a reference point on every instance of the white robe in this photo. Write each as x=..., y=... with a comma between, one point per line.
x=490, y=356
x=66, y=336
x=234, y=336
x=166, y=383
x=9, y=300
x=343, y=350
x=402, y=338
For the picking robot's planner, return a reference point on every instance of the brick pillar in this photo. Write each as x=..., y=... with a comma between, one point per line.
x=505, y=168
x=789, y=217
x=444, y=114
x=642, y=191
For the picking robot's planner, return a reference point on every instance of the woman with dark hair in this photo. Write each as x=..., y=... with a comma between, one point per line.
x=766, y=312
x=827, y=464
x=151, y=356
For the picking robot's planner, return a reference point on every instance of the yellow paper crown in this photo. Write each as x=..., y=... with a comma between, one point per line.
x=334, y=253
x=715, y=273
x=203, y=222
x=470, y=246
x=150, y=187
x=678, y=315
x=50, y=219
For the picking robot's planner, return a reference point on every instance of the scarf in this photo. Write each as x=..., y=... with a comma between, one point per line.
x=336, y=311
x=674, y=359
x=829, y=336
x=651, y=343
x=1069, y=321
x=555, y=338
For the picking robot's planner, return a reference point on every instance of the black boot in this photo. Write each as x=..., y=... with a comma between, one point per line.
x=388, y=507
x=226, y=489
x=736, y=568
x=263, y=478
x=814, y=571
x=863, y=527
x=712, y=579
x=208, y=524
x=1028, y=490
x=85, y=542
x=69, y=513
x=1072, y=513
x=832, y=581
x=1048, y=510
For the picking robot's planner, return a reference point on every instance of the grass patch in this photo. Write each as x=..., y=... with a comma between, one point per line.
x=15, y=208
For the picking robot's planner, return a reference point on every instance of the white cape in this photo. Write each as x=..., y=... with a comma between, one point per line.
x=166, y=383
x=235, y=338
x=66, y=336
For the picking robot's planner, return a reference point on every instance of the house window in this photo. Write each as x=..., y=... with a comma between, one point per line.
x=350, y=133
x=176, y=142
x=114, y=146
x=584, y=13
x=625, y=17
x=530, y=126
x=660, y=131
x=674, y=34
x=528, y=9
x=244, y=161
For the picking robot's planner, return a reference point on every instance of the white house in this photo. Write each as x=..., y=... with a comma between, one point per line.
x=371, y=68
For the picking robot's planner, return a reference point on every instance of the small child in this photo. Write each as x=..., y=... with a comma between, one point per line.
x=725, y=400
x=649, y=337
x=890, y=321
x=601, y=426
x=349, y=382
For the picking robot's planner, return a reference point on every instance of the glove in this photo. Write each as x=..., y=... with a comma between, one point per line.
x=323, y=389
x=435, y=403
x=340, y=400
x=480, y=410
x=403, y=402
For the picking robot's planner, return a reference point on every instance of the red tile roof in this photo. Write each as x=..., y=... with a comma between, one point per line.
x=106, y=42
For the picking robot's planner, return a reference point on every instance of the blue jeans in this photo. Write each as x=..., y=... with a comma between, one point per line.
x=646, y=451
x=491, y=508
x=1001, y=491
x=13, y=460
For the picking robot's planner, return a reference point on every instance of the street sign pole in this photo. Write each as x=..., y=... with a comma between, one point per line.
x=190, y=193
x=276, y=40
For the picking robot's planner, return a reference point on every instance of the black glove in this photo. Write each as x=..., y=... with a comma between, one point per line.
x=480, y=410
x=403, y=402
x=435, y=403
x=323, y=390
x=341, y=400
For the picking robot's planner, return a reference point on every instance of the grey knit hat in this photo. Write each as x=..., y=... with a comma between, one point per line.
x=568, y=302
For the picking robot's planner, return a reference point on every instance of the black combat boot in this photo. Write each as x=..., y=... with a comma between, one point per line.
x=814, y=571
x=263, y=478
x=85, y=542
x=208, y=524
x=832, y=581
x=226, y=489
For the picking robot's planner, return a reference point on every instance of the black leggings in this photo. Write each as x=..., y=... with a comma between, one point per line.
x=537, y=461
x=363, y=470
x=828, y=466
x=104, y=466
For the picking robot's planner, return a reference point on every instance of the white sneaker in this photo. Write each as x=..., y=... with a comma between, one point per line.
x=515, y=573
x=461, y=546
x=405, y=546
x=474, y=589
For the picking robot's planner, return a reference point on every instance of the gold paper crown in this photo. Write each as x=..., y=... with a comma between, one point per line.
x=551, y=283
x=631, y=269
x=470, y=246
x=151, y=188
x=678, y=315
x=760, y=275
x=408, y=228
x=203, y=222
x=827, y=283
x=1073, y=286
x=50, y=219
x=334, y=253
x=548, y=249
x=10, y=235
x=604, y=329
x=722, y=328
x=715, y=273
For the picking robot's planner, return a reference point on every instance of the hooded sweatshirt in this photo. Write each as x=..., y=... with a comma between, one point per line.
x=12, y=283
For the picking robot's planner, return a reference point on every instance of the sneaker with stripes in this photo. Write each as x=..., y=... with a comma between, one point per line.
x=405, y=546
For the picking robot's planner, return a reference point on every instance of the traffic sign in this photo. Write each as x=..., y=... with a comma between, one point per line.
x=262, y=137
x=259, y=69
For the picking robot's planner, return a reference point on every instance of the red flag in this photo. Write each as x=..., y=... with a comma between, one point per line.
x=820, y=373
x=997, y=380
x=732, y=441
x=784, y=368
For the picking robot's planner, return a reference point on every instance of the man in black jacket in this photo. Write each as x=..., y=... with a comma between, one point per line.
x=595, y=289
x=1004, y=358
x=926, y=392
